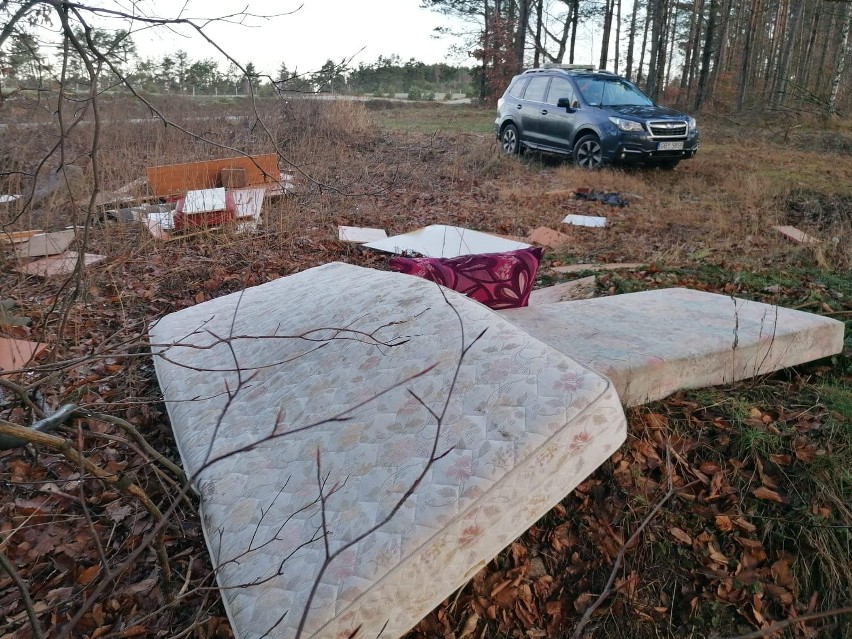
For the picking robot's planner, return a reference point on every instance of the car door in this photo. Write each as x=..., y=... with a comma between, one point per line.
x=556, y=125
x=529, y=109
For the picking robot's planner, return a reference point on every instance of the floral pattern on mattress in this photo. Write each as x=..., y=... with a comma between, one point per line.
x=523, y=426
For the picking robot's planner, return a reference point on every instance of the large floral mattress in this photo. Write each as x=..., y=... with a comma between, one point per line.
x=653, y=343
x=364, y=442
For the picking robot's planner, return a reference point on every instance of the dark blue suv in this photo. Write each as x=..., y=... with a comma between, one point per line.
x=597, y=117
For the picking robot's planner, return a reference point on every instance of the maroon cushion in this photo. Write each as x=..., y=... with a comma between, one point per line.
x=498, y=280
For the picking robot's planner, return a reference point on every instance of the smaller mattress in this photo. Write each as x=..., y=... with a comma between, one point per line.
x=653, y=343
x=335, y=377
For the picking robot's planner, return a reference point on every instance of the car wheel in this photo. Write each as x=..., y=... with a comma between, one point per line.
x=509, y=140
x=588, y=153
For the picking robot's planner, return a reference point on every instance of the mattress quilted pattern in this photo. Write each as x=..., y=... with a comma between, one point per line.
x=368, y=358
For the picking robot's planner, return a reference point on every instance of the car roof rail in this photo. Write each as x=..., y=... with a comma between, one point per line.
x=569, y=67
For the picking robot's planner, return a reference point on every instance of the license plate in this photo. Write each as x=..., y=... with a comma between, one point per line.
x=670, y=146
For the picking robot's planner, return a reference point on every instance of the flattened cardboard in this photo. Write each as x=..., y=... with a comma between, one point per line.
x=62, y=264
x=15, y=353
x=548, y=238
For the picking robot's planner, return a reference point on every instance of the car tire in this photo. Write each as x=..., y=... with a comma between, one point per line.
x=588, y=153
x=510, y=141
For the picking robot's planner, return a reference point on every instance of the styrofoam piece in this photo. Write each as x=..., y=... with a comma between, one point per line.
x=360, y=234
x=9, y=198
x=248, y=203
x=523, y=425
x=160, y=223
x=797, y=235
x=653, y=343
x=62, y=264
x=204, y=201
x=585, y=220
x=439, y=240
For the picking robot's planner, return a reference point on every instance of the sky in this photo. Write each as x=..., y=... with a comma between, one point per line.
x=312, y=32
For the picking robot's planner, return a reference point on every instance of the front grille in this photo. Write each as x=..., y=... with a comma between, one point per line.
x=668, y=129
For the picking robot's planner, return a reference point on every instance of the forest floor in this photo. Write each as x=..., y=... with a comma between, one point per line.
x=760, y=527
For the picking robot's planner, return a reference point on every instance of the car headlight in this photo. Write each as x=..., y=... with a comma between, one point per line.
x=627, y=125
x=690, y=122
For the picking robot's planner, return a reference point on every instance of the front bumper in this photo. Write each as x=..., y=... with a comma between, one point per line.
x=641, y=147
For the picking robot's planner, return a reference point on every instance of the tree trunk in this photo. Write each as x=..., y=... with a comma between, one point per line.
x=783, y=75
x=631, y=40
x=617, y=36
x=687, y=62
x=575, y=18
x=644, y=42
x=539, y=13
x=843, y=53
x=607, y=28
x=703, y=91
x=696, y=50
x=721, y=49
x=804, y=71
x=523, y=14
x=655, y=12
x=671, y=30
x=745, y=69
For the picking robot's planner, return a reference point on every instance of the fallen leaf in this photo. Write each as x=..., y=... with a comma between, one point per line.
x=88, y=574
x=469, y=625
x=724, y=523
x=681, y=536
x=767, y=494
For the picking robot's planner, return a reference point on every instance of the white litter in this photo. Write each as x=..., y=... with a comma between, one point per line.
x=439, y=240
x=204, y=201
x=585, y=220
x=360, y=234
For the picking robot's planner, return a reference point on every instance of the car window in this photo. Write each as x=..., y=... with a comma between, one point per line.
x=536, y=89
x=518, y=86
x=611, y=92
x=560, y=88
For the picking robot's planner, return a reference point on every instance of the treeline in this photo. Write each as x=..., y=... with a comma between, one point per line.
x=25, y=63
x=730, y=54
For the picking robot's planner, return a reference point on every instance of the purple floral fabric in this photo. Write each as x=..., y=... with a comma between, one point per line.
x=498, y=280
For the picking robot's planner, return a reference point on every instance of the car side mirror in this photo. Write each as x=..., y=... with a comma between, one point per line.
x=567, y=104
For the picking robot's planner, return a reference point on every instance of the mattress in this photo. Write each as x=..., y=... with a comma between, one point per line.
x=653, y=343
x=338, y=377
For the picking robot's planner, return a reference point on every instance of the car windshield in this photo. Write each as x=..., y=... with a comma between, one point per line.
x=611, y=92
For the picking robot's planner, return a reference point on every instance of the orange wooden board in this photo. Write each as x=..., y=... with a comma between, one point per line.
x=177, y=179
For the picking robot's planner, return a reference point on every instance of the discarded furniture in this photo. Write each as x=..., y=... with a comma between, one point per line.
x=653, y=343
x=177, y=179
x=440, y=240
x=326, y=435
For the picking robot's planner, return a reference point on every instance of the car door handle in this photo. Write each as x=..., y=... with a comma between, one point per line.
x=519, y=107
x=544, y=111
